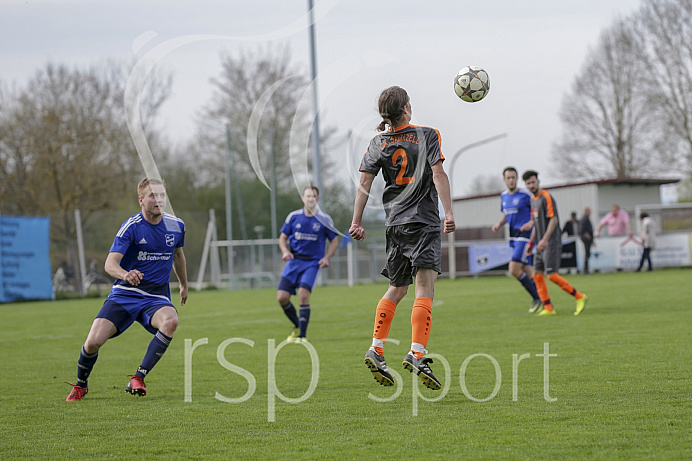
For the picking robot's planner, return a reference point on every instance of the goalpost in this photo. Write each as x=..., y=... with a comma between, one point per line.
x=250, y=263
x=246, y=260
x=668, y=217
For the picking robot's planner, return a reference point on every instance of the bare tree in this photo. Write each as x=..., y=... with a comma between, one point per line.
x=607, y=117
x=241, y=89
x=64, y=145
x=486, y=184
x=666, y=28
x=260, y=90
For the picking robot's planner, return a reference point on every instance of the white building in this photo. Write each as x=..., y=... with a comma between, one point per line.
x=483, y=211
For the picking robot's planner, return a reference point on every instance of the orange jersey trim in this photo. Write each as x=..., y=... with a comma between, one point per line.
x=439, y=138
x=550, y=209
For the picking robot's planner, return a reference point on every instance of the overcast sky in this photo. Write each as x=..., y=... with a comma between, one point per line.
x=532, y=51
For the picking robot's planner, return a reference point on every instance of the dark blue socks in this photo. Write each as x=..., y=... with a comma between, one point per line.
x=157, y=347
x=529, y=285
x=290, y=311
x=84, y=366
x=304, y=319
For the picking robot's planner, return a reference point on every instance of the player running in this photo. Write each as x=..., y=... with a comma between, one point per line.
x=305, y=231
x=549, y=247
x=145, y=249
x=410, y=160
x=516, y=212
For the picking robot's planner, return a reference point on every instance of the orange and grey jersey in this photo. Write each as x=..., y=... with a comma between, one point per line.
x=543, y=208
x=406, y=156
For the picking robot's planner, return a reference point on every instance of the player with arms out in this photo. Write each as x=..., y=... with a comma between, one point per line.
x=410, y=160
x=145, y=249
x=302, y=241
x=546, y=232
x=515, y=205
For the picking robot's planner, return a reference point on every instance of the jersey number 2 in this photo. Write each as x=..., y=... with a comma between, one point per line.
x=402, y=180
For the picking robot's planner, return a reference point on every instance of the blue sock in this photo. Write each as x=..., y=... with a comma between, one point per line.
x=158, y=345
x=530, y=285
x=304, y=319
x=84, y=366
x=290, y=311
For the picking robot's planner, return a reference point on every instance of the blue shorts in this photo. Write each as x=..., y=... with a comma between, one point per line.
x=519, y=252
x=123, y=310
x=299, y=273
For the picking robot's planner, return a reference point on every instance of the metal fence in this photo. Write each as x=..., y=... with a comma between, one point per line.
x=257, y=263
x=98, y=231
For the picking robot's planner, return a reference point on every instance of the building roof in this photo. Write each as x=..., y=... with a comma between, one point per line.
x=613, y=181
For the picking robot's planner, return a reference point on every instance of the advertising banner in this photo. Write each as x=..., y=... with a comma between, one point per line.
x=25, y=271
x=611, y=253
x=486, y=256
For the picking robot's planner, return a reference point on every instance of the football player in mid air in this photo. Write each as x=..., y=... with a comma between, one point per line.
x=410, y=160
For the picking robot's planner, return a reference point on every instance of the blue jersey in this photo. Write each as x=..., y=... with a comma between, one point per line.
x=150, y=249
x=307, y=234
x=517, y=210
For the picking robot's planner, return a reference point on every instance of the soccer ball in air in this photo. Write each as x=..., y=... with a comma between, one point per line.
x=471, y=84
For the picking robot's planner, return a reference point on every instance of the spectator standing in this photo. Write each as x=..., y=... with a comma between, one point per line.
x=586, y=236
x=618, y=222
x=571, y=227
x=648, y=237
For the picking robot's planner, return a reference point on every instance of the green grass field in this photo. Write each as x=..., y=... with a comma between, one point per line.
x=619, y=378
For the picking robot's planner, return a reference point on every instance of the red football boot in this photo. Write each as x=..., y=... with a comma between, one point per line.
x=136, y=386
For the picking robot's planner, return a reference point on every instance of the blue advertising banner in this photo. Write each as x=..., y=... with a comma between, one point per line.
x=25, y=271
x=486, y=256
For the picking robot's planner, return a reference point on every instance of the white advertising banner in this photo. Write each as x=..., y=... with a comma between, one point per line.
x=625, y=253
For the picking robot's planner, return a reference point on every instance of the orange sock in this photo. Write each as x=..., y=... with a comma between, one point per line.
x=542, y=288
x=565, y=285
x=421, y=320
x=383, y=321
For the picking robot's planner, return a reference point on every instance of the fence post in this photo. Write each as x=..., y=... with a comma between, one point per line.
x=373, y=263
x=80, y=252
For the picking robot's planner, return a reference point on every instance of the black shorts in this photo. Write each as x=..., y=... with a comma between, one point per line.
x=548, y=260
x=411, y=247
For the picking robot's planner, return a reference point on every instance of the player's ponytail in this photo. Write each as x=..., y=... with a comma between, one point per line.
x=391, y=106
